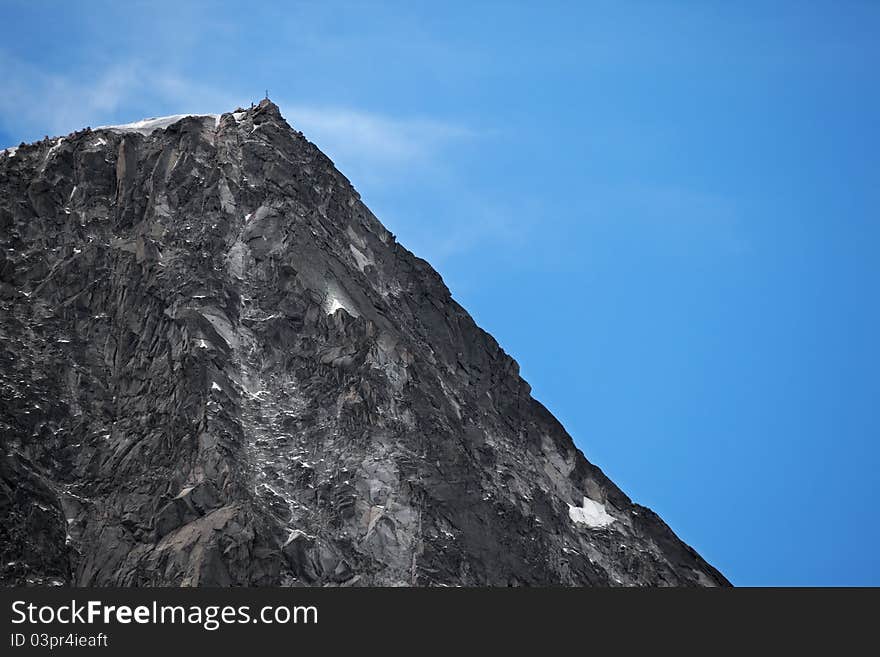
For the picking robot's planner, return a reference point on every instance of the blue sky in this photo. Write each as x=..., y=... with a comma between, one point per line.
x=667, y=212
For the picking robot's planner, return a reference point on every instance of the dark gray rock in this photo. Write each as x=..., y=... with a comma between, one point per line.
x=218, y=368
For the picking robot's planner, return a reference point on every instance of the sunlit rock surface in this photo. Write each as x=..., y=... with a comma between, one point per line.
x=218, y=368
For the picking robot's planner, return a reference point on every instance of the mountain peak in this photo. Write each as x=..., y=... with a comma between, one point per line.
x=221, y=369
x=268, y=106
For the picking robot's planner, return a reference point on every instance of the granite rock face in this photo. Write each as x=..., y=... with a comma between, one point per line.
x=218, y=368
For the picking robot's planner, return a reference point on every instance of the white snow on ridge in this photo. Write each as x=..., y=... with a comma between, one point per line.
x=591, y=514
x=333, y=305
x=146, y=126
x=54, y=147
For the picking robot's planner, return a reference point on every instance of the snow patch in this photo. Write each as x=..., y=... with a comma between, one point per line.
x=591, y=514
x=9, y=152
x=267, y=318
x=215, y=386
x=54, y=148
x=333, y=305
x=335, y=298
x=146, y=126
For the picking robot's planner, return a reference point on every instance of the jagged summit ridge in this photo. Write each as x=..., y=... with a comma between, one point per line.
x=148, y=126
x=219, y=368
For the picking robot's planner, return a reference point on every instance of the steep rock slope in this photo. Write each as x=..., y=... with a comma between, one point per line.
x=218, y=368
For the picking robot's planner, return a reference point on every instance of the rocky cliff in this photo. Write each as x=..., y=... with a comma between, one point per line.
x=218, y=368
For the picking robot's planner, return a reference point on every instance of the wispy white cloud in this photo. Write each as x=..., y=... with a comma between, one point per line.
x=394, y=157
x=470, y=221
x=371, y=144
x=36, y=102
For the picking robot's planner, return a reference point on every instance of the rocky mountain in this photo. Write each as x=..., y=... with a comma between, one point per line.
x=218, y=368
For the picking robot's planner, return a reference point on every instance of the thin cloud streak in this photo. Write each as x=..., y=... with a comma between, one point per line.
x=367, y=144
x=371, y=144
x=379, y=152
x=36, y=103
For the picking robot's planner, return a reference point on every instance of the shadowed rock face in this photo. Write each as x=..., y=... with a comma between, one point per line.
x=218, y=368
